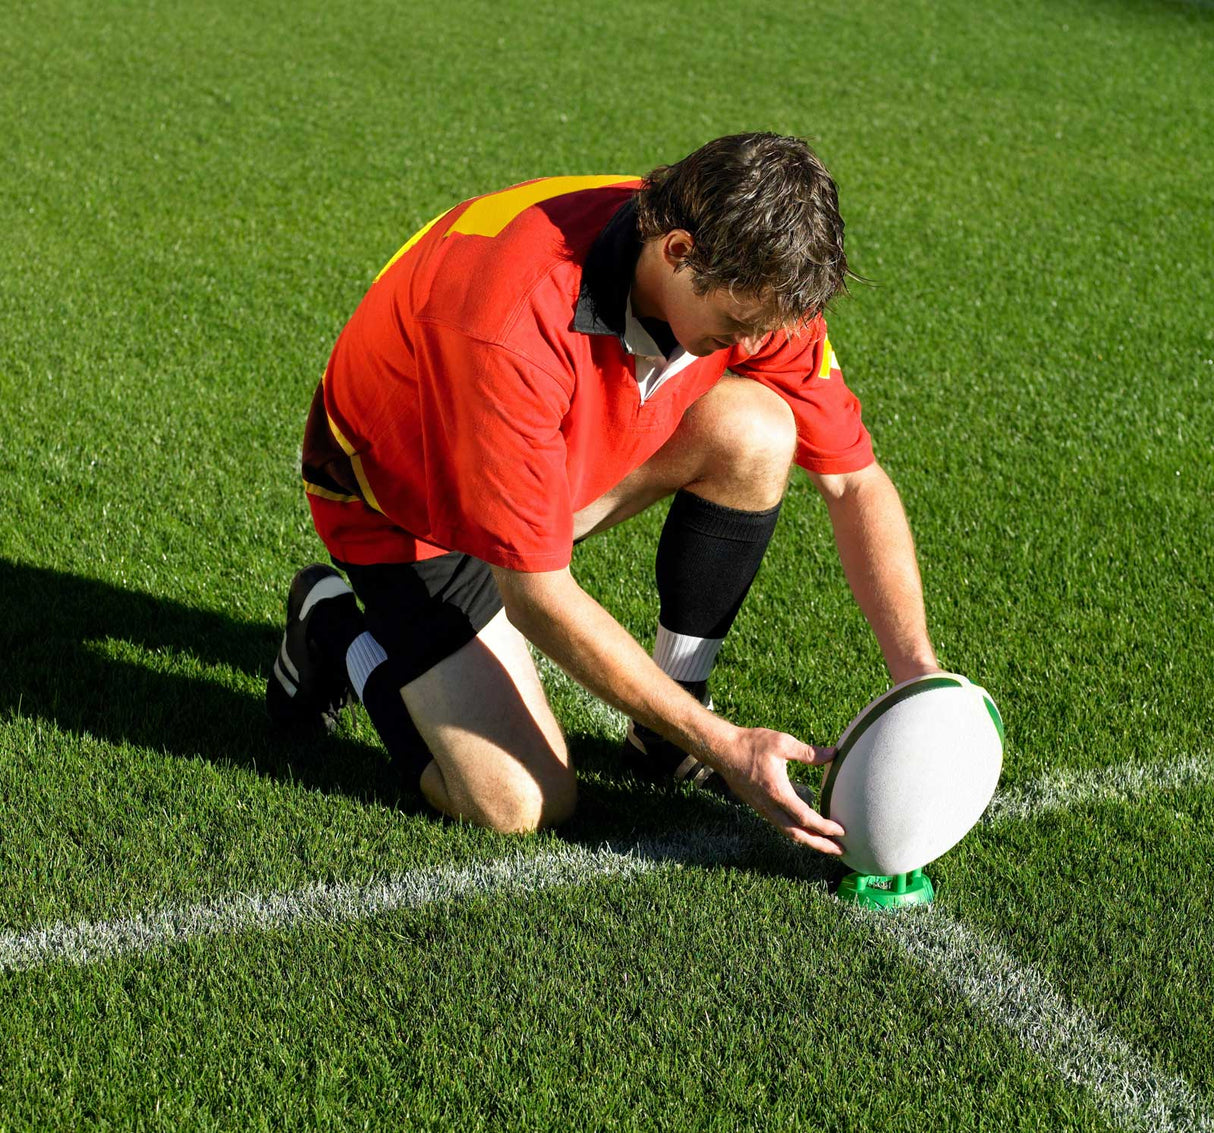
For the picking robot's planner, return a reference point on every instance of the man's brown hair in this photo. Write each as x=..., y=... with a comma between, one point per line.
x=764, y=215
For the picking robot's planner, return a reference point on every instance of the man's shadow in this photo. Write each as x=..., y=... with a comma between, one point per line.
x=131, y=668
x=128, y=667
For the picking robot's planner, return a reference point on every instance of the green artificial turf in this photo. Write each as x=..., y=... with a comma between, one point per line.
x=195, y=199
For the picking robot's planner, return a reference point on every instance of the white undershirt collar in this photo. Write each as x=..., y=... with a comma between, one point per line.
x=653, y=368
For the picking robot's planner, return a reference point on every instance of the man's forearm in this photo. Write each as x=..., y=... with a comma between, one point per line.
x=558, y=616
x=553, y=612
x=878, y=557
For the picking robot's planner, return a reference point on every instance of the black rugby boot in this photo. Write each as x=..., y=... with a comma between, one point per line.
x=656, y=759
x=308, y=687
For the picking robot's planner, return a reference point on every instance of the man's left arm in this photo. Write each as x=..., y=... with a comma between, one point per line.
x=878, y=557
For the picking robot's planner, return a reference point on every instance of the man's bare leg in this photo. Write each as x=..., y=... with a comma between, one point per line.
x=499, y=757
x=733, y=447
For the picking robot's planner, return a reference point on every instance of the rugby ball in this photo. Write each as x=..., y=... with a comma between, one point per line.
x=914, y=772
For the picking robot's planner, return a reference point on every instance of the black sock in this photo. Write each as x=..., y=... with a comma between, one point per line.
x=707, y=558
x=384, y=704
x=336, y=622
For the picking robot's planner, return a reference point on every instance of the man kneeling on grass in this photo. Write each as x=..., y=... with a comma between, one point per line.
x=533, y=367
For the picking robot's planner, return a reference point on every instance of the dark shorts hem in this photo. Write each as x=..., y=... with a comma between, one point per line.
x=423, y=612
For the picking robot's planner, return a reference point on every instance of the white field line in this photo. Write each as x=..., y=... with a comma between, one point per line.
x=567, y=865
x=1065, y=1036
x=1123, y=1082
x=1062, y=790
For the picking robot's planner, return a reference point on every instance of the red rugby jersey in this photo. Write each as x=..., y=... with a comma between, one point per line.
x=477, y=397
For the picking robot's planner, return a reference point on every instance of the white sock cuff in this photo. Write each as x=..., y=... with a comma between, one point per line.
x=364, y=656
x=683, y=657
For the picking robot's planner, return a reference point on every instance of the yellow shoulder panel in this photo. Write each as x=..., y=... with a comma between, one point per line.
x=489, y=215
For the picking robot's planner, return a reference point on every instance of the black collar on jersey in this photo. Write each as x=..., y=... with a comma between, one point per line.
x=602, y=302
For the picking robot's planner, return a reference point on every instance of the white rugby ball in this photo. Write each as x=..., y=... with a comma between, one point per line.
x=914, y=772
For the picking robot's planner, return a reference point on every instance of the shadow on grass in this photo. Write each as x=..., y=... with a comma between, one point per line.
x=679, y=824
x=130, y=668
x=126, y=667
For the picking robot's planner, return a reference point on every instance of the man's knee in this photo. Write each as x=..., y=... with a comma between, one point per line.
x=526, y=805
x=511, y=802
x=745, y=430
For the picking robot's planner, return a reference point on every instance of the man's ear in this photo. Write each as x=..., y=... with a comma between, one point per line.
x=676, y=245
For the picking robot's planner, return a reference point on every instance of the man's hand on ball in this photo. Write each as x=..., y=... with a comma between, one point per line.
x=756, y=769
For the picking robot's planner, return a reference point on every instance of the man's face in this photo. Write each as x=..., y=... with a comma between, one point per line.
x=717, y=320
x=704, y=324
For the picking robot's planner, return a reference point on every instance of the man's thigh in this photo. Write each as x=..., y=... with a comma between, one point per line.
x=733, y=446
x=470, y=686
x=500, y=759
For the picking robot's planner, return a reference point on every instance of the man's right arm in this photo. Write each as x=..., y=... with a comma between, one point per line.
x=553, y=612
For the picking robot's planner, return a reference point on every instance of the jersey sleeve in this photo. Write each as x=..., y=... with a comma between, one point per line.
x=831, y=436
x=496, y=485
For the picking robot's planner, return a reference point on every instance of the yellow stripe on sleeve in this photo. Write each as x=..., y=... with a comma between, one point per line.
x=325, y=494
x=829, y=361
x=339, y=436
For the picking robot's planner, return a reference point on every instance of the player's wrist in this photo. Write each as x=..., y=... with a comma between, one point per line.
x=911, y=665
x=712, y=740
